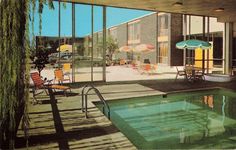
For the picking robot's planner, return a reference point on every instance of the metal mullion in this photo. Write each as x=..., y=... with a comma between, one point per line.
x=73, y=42
x=208, y=38
x=92, y=44
x=59, y=32
x=203, y=37
x=104, y=43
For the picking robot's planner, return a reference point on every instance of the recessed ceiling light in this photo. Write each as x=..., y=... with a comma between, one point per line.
x=178, y=4
x=219, y=9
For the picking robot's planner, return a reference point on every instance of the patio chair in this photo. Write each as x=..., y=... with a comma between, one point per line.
x=180, y=73
x=233, y=72
x=154, y=68
x=147, y=68
x=122, y=62
x=134, y=64
x=146, y=61
x=60, y=77
x=199, y=74
x=66, y=68
x=189, y=70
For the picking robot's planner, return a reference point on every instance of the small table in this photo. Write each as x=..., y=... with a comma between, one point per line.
x=194, y=73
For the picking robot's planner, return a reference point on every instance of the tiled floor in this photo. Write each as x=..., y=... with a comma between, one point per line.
x=59, y=123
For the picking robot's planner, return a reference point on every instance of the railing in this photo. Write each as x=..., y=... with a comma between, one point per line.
x=85, y=91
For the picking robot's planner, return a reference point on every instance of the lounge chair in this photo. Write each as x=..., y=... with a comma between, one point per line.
x=60, y=77
x=39, y=83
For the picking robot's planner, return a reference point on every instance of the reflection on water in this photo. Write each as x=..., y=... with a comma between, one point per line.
x=202, y=120
x=208, y=100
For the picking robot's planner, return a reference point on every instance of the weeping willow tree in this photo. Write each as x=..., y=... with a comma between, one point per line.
x=14, y=69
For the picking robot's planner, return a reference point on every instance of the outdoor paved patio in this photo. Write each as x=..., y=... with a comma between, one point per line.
x=120, y=73
x=117, y=73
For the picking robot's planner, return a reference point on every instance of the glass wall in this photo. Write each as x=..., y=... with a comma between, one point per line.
x=215, y=59
x=134, y=32
x=83, y=43
x=163, y=24
x=45, y=42
x=72, y=36
x=88, y=54
x=163, y=52
x=163, y=38
x=234, y=46
x=65, y=48
x=131, y=44
x=212, y=58
x=97, y=43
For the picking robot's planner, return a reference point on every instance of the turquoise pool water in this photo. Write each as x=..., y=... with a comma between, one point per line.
x=189, y=120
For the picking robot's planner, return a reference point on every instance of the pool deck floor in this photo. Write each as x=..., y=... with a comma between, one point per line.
x=58, y=122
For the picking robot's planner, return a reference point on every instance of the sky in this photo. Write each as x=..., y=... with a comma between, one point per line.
x=83, y=19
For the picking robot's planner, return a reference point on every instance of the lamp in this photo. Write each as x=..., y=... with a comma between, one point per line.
x=178, y=4
x=219, y=9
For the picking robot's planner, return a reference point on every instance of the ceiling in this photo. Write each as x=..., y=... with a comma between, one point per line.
x=193, y=7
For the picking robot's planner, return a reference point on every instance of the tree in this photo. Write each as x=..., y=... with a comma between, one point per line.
x=14, y=66
x=41, y=59
x=111, y=46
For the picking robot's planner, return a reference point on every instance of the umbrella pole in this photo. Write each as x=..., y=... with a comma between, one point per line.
x=208, y=61
x=184, y=56
x=203, y=61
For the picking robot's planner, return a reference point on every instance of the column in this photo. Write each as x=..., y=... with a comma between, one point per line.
x=185, y=37
x=227, y=47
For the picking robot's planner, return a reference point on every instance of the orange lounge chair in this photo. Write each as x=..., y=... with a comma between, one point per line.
x=38, y=84
x=44, y=84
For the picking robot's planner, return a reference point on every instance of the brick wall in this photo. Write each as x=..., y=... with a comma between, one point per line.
x=176, y=55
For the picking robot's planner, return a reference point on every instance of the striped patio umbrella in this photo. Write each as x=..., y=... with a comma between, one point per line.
x=144, y=48
x=193, y=44
x=126, y=49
